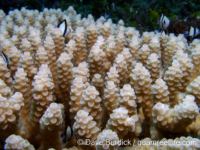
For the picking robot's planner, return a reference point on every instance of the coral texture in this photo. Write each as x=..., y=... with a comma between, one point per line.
x=104, y=80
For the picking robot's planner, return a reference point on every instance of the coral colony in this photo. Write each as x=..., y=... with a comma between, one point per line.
x=101, y=83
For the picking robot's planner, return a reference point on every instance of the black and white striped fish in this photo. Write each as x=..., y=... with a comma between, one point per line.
x=5, y=58
x=164, y=22
x=68, y=134
x=64, y=28
x=192, y=32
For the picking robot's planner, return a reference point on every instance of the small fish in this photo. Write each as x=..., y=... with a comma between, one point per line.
x=164, y=22
x=68, y=134
x=63, y=27
x=5, y=58
x=192, y=33
x=113, y=6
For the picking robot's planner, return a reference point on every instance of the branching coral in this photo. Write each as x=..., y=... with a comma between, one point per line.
x=104, y=80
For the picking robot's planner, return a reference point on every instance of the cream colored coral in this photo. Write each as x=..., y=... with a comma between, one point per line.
x=34, y=39
x=5, y=91
x=112, y=75
x=16, y=142
x=14, y=57
x=194, y=89
x=2, y=39
x=48, y=30
x=154, y=66
x=64, y=70
x=128, y=99
x=19, y=19
x=111, y=96
x=76, y=92
x=58, y=41
x=23, y=12
x=26, y=46
x=5, y=34
x=50, y=49
x=50, y=126
x=85, y=22
x=194, y=43
x=134, y=75
x=2, y=15
x=9, y=114
x=80, y=54
x=6, y=46
x=91, y=103
x=120, y=42
x=154, y=45
x=101, y=42
x=196, y=61
x=107, y=139
x=120, y=122
x=99, y=25
x=21, y=84
x=41, y=57
x=28, y=30
x=22, y=33
x=172, y=78
x=4, y=73
x=26, y=23
x=121, y=66
x=40, y=21
x=15, y=41
x=109, y=54
x=10, y=27
x=77, y=22
x=30, y=16
x=27, y=62
x=84, y=126
x=143, y=91
x=169, y=49
x=106, y=30
x=91, y=36
x=143, y=54
x=42, y=97
x=129, y=33
x=160, y=92
x=96, y=61
x=163, y=43
x=39, y=27
x=186, y=66
x=71, y=49
x=128, y=57
x=180, y=45
x=145, y=38
x=15, y=31
x=121, y=22
x=195, y=126
x=98, y=82
x=177, y=118
x=83, y=71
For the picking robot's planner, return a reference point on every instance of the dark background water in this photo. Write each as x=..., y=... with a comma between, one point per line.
x=143, y=15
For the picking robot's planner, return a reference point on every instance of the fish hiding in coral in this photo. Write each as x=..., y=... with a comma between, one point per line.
x=164, y=23
x=5, y=58
x=192, y=33
x=68, y=134
x=63, y=27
